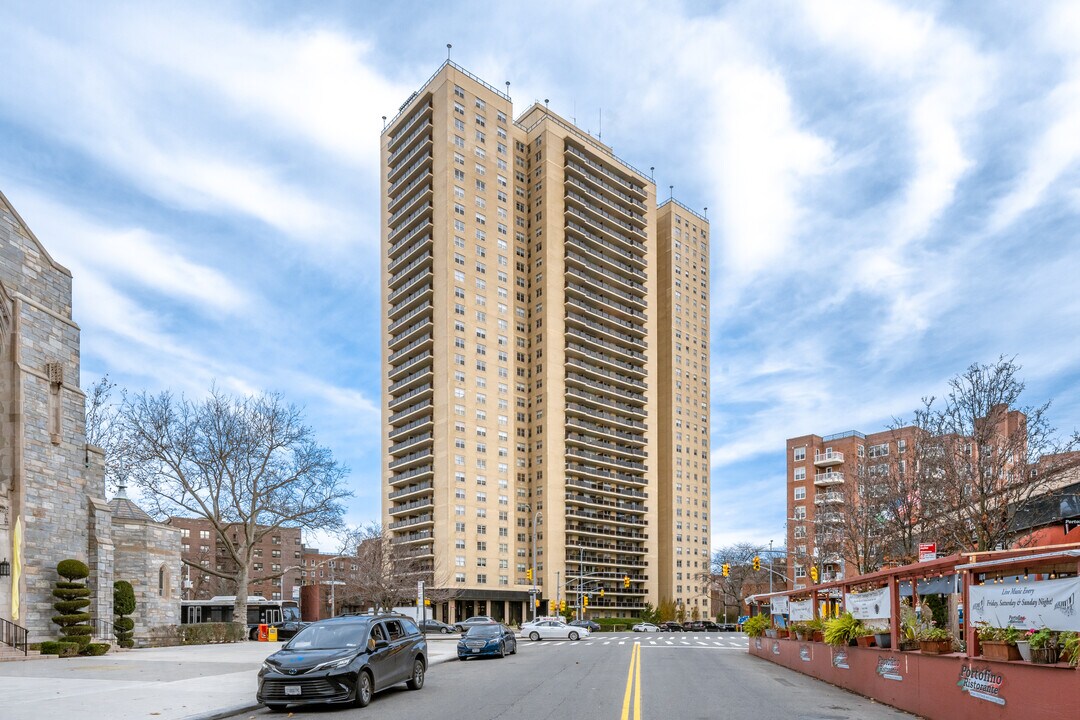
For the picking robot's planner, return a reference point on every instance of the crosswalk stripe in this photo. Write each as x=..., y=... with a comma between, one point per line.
x=622, y=642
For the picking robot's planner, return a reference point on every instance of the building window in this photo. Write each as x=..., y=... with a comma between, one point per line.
x=879, y=450
x=800, y=493
x=800, y=454
x=800, y=473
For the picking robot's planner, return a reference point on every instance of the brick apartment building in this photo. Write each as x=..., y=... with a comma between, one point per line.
x=275, y=570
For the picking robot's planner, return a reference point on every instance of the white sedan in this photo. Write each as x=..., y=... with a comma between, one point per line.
x=645, y=627
x=552, y=630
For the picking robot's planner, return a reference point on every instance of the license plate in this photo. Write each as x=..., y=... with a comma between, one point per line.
x=476, y=649
x=292, y=689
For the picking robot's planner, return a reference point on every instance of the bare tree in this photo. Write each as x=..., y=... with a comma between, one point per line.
x=248, y=465
x=104, y=430
x=387, y=573
x=988, y=462
x=907, y=489
x=739, y=558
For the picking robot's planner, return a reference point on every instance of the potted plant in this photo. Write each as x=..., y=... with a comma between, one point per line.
x=882, y=635
x=1044, y=647
x=865, y=637
x=935, y=640
x=1069, y=642
x=756, y=626
x=843, y=630
x=998, y=643
x=909, y=627
x=802, y=632
x=817, y=629
x=1023, y=646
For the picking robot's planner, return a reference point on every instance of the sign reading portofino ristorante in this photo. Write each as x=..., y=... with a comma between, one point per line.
x=982, y=684
x=839, y=658
x=889, y=668
x=1071, y=524
x=804, y=653
x=1027, y=606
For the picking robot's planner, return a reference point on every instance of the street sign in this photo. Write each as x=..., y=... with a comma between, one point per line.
x=927, y=551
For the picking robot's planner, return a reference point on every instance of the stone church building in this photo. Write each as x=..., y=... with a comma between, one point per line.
x=52, y=485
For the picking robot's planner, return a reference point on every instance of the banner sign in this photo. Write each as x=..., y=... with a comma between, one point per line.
x=839, y=658
x=888, y=667
x=1071, y=524
x=981, y=683
x=1027, y=606
x=778, y=605
x=932, y=586
x=871, y=605
x=801, y=610
x=927, y=551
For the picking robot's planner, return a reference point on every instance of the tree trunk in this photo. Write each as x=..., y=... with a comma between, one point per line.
x=240, y=604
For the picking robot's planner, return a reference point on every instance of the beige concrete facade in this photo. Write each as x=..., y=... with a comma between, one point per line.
x=683, y=339
x=520, y=355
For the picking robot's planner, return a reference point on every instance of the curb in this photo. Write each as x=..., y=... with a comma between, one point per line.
x=253, y=707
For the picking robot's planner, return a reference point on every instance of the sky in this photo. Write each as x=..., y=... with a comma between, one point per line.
x=893, y=188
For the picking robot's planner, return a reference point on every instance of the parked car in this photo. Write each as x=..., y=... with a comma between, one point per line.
x=728, y=627
x=435, y=626
x=645, y=627
x=489, y=639
x=344, y=660
x=592, y=625
x=670, y=626
x=693, y=626
x=474, y=620
x=553, y=630
x=710, y=626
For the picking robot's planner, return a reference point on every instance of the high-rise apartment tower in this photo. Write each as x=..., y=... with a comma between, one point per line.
x=523, y=377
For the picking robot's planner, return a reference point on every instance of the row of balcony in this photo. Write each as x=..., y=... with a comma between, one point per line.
x=595, y=500
x=411, y=490
x=579, y=542
x=410, y=411
x=572, y=467
x=607, y=330
x=410, y=333
x=630, y=216
x=410, y=522
x=830, y=498
x=411, y=459
x=394, y=204
x=409, y=442
x=626, y=325
x=591, y=226
x=590, y=441
x=606, y=288
x=422, y=111
x=411, y=537
x=605, y=560
x=604, y=403
x=613, y=347
x=589, y=529
x=599, y=372
x=605, y=216
x=409, y=380
x=408, y=348
x=403, y=147
x=408, y=176
x=607, y=488
x=607, y=517
x=604, y=430
x=422, y=390
x=606, y=416
x=397, y=171
x=414, y=505
x=400, y=322
x=606, y=459
x=624, y=366
x=629, y=395
x=398, y=432
x=638, y=193
x=410, y=474
x=397, y=370
x=615, y=276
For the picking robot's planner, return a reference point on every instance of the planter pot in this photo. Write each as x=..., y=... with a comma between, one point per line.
x=883, y=640
x=1044, y=656
x=1024, y=647
x=771, y=633
x=819, y=636
x=865, y=640
x=909, y=645
x=782, y=634
x=802, y=636
x=992, y=650
x=935, y=647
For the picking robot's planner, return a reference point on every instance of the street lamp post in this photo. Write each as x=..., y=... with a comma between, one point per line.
x=536, y=520
x=770, y=565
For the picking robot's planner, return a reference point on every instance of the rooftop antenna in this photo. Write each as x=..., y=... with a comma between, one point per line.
x=671, y=192
x=545, y=103
x=652, y=169
x=600, y=134
x=706, y=212
x=507, y=88
x=448, y=46
x=383, y=122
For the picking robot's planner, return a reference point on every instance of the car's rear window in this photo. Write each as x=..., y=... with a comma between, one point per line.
x=409, y=627
x=330, y=636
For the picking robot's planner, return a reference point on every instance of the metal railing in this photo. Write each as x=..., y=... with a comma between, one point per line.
x=103, y=629
x=14, y=635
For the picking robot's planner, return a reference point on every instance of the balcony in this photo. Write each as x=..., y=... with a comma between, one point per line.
x=412, y=537
x=829, y=498
x=412, y=363
x=630, y=283
x=588, y=441
x=622, y=185
x=828, y=458
x=604, y=345
x=409, y=442
x=607, y=488
x=604, y=430
x=624, y=325
x=422, y=390
x=404, y=429
x=409, y=506
x=411, y=411
x=832, y=518
x=410, y=490
x=606, y=459
x=422, y=112
x=826, y=479
x=410, y=474
x=605, y=416
x=408, y=381
x=606, y=331
x=602, y=502
x=579, y=469
x=410, y=333
x=610, y=546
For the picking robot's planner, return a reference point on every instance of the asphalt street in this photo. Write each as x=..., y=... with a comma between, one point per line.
x=624, y=677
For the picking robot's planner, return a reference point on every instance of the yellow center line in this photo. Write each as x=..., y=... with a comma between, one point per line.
x=633, y=685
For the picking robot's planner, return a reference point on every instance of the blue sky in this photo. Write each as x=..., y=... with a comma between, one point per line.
x=894, y=192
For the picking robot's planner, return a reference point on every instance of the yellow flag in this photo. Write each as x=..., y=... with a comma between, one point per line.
x=16, y=569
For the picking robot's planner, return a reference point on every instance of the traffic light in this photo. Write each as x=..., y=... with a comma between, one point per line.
x=757, y=563
x=585, y=601
x=726, y=569
x=537, y=601
x=626, y=581
x=813, y=574
x=528, y=574
x=601, y=592
x=562, y=606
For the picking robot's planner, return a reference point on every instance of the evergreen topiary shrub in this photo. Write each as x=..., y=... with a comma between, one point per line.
x=55, y=647
x=71, y=597
x=96, y=649
x=124, y=605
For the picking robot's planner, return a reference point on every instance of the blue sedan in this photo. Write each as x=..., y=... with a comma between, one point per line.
x=486, y=641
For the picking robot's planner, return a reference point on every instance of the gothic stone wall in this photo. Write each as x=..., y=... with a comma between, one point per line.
x=142, y=550
x=43, y=449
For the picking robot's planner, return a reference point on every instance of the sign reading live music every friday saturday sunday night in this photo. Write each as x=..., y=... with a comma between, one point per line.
x=1027, y=606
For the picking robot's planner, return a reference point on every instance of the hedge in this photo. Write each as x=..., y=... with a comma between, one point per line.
x=56, y=647
x=96, y=649
x=211, y=633
x=124, y=624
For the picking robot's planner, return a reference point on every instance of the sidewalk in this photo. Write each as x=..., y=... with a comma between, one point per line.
x=197, y=682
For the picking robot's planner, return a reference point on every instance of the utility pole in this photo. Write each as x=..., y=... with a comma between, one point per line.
x=558, y=590
x=770, y=566
x=536, y=519
x=580, y=581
